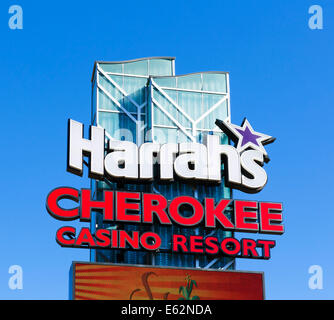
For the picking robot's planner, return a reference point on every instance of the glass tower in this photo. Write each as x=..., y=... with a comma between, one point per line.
x=141, y=101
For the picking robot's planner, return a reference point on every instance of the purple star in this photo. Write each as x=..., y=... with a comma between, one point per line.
x=248, y=136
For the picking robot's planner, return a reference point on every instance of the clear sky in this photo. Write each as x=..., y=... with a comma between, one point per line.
x=280, y=77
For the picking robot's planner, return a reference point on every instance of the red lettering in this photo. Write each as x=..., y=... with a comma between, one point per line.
x=198, y=211
x=144, y=241
x=125, y=238
x=102, y=238
x=106, y=205
x=123, y=206
x=155, y=203
x=196, y=244
x=85, y=238
x=70, y=232
x=55, y=210
x=212, y=244
x=179, y=243
x=245, y=210
x=249, y=248
x=213, y=214
x=266, y=246
x=114, y=238
x=226, y=247
x=271, y=212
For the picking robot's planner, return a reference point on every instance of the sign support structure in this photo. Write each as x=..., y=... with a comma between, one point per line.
x=160, y=156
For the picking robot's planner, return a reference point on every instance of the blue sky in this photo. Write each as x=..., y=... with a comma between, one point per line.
x=280, y=77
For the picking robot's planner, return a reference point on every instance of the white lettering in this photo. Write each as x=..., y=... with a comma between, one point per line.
x=188, y=160
x=231, y=158
x=192, y=161
x=79, y=147
x=122, y=162
x=146, y=156
x=251, y=162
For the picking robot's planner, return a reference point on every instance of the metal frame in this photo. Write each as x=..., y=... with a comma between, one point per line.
x=193, y=130
x=194, y=122
x=190, y=132
x=134, y=116
x=133, y=60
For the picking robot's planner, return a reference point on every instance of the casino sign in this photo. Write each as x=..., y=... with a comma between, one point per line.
x=240, y=166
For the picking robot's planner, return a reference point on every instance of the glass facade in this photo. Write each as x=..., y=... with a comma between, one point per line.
x=144, y=101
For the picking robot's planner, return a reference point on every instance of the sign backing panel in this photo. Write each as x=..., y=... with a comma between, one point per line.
x=98, y=281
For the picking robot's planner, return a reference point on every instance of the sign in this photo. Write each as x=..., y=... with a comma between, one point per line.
x=188, y=160
x=124, y=160
x=124, y=282
x=249, y=216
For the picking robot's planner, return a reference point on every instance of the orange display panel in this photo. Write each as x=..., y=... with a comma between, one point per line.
x=92, y=281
